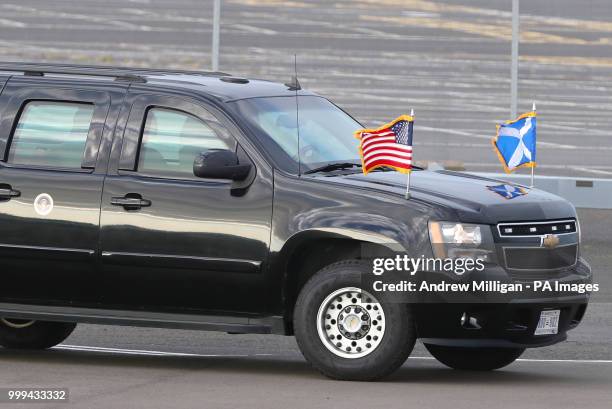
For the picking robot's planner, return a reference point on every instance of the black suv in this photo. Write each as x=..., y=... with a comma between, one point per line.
x=205, y=201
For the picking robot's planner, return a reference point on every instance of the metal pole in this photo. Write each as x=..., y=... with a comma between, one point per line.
x=215, y=35
x=533, y=108
x=515, y=56
x=407, y=196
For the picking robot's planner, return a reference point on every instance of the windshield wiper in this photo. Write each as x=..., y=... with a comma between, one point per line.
x=333, y=166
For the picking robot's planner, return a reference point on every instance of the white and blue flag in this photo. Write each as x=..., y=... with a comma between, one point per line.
x=515, y=143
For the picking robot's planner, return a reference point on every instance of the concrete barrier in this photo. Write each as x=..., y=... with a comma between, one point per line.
x=581, y=192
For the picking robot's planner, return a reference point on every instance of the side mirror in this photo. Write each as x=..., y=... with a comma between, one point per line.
x=220, y=164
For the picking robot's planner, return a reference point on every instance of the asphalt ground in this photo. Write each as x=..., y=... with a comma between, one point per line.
x=449, y=60
x=101, y=380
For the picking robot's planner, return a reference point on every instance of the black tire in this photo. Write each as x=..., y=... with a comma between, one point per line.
x=393, y=348
x=37, y=335
x=474, y=359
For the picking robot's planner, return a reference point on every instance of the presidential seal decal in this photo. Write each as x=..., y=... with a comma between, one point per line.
x=43, y=204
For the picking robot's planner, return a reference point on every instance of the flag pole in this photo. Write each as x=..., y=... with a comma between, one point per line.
x=410, y=171
x=533, y=108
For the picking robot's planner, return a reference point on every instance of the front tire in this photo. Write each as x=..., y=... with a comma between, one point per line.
x=345, y=332
x=474, y=359
x=27, y=334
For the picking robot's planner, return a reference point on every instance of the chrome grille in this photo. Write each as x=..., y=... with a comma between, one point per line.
x=525, y=255
x=530, y=229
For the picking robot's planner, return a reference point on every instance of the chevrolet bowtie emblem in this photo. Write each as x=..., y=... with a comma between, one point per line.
x=550, y=241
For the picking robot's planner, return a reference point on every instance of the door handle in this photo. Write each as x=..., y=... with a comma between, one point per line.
x=7, y=193
x=130, y=202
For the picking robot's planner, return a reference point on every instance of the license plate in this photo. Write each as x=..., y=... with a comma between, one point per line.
x=549, y=322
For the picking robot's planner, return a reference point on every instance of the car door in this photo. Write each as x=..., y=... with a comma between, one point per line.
x=50, y=186
x=171, y=240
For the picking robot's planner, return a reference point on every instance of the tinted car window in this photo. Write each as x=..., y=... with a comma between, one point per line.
x=171, y=140
x=326, y=132
x=51, y=134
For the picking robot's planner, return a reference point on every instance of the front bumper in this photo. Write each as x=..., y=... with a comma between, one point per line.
x=509, y=325
x=509, y=322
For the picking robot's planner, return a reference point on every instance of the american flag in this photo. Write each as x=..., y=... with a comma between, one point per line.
x=390, y=145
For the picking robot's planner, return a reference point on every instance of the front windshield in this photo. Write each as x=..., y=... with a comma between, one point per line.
x=326, y=132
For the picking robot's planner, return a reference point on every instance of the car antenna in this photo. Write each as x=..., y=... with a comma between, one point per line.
x=294, y=85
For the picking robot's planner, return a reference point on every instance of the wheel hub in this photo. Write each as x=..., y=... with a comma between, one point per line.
x=351, y=323
x=354, y=322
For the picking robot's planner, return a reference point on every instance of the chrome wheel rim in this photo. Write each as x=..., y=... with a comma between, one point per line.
x=351, y=323
x=16, y=323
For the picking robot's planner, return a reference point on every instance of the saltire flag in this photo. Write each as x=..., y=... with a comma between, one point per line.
x=515, y=142
x=508, y=191
x=387, y=146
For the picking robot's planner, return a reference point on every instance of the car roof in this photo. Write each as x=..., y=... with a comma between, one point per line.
x=227, y=87
x=216, y=84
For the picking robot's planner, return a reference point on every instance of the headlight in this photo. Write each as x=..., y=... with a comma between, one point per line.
x=460, y=234
x=461, y=240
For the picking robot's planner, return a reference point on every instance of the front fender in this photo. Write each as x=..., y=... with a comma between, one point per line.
x=310, y=209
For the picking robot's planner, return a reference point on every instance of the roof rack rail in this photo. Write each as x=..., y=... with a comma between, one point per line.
x=42, y=69
x=120, y=73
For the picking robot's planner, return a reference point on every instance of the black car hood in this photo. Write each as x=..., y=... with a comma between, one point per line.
x=475, y=199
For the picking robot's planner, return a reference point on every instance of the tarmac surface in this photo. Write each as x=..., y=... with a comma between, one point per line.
x=109, y=380
x=449, y=60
